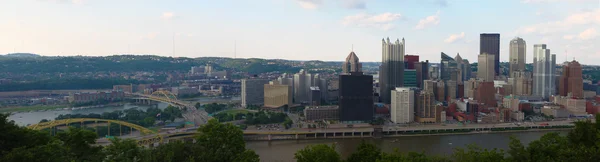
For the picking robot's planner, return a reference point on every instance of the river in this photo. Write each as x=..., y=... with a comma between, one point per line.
x=283, y=151
x=34, y=117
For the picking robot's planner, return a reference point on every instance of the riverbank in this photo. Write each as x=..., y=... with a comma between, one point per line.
x=32, y=108
x=479, y=132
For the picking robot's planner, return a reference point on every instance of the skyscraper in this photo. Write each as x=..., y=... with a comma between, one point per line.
x=485, y=67
x=302, y=83
x=544, y=69
x=521, y=82
x=463, y=68
x=352, y=64
x=518, y=54
x=571, y=80
x=425, y=107
x=422, y=69
x=253, y=91
x=490, y=43
x=392, y=67
x=410, y=61
x=403, y=105
x=356, y=97
x=448, y=68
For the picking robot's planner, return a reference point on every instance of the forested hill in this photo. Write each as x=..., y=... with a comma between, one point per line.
x=131, y=63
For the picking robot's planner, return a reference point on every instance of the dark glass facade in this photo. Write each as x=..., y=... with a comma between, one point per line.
x=356, y=98
x=490, y=43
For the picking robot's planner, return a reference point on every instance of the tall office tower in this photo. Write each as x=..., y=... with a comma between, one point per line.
x=322, y=83
x=302, y=83
x=410, y=78
x=544, y=69
x=253, y=91
x=422, y=69
x=425, y=107
x=403, y=105
x=352, y=64
x=356, y=97
x=410, y=61
x=392, y=67
x=471, y=88
x=518, y=54
x=314, y=96
x=521, y=82
x=464, y=69
x=571, y=80
x=434, y=72
x=430, y=86
x=448, y=68
x=490, y=43
x=451, y=90
x=441, y=93
x=486, y=94
x=485, y=67
x=277, y=95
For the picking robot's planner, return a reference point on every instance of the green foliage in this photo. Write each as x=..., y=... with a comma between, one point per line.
x=365, y=152
x=263, y=117
x=287, y=123
x=474, y=153
x=317, y=153
x=214, y=107
x=143, y=118
x=409, y=157
x=125, y=150
x=56, y=84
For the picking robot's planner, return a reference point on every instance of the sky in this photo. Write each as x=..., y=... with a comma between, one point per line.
x=297, y=29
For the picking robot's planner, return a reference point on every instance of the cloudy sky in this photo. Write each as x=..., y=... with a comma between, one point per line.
x=296, y=29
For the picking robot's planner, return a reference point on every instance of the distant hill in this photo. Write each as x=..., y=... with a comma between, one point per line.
x=22, y=55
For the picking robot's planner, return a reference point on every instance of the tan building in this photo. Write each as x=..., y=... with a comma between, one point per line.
x=426, y=108
x=518, y=53
x=522, y=83
x=316, y=113
x=517, y=116
x=511, y=102
x=485, y=67
x=451, y=87
x=471, y=88
x=277, y=95
x=555, y=111
x=576, y=105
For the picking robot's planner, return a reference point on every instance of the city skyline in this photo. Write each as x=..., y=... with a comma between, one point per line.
x=202, y=29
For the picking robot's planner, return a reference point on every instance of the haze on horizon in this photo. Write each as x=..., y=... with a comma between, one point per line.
x=296, y=29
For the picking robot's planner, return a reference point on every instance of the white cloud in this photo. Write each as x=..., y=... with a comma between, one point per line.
x=568, y=37
x=382, y=21
x=573, y=20
x=455, y=37
x=588, y=34
x=167, y=15
x=310, y=4
x=429, y=21
x=354, y=4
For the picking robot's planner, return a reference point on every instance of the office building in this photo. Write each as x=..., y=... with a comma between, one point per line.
x=434, y=72
x=486, y=94
x=351, y=64
x=490, y=43
x=403, y=105
x=426, y=107
x=451, y=90
x=470, y=88
x=315, y=96
x=544, y=70
x=184, y=91
x=518, y=54
x=323, y=85
x=302, y=83
x=430, y=86
x=277, y=95
x=521, y=82
x=410, y=78
x=320, y=113
x=448, y=68
x=253, y=91
x=485, y=67
x=410, y=61
x=356, y=97
x=463, y=68
x=571, y=80
x=392, y=67
x=96, y=96
x=422, y=69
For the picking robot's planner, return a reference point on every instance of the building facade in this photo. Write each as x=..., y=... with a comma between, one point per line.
x=521, y=82
x=403, y=105
x=253, y=91
x=356, y=97
x=571, y=80
x=351, y=64
x=392, y=67
x=544, y=70
x=426, y=108
x=490, y=43
x=410, y=78
x=277, y=95
x=302, y=83
x=422, y=69
x=410, y=61
x=518, y=54
x=318, y=113
x=485, y=67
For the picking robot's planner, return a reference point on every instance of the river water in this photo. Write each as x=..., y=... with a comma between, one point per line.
x=283, y=151
x=34, y=117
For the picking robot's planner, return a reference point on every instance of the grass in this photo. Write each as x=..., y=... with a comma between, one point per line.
x=236, y=111
x=32, y=108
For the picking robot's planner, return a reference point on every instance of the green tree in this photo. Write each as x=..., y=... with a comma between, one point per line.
x=220, y=142
x=365, y=152
x=79, y=142
x=317, y=153
x=13, y=136
x=125, y=150
x=474, y=153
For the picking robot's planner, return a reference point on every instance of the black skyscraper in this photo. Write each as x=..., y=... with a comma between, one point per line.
x=356, y=96
x=490, y=43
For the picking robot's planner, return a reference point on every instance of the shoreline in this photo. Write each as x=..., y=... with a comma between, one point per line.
x=487, y=132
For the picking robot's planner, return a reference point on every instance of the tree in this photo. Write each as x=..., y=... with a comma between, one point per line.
x=365, y=152
x=79, y=143
x=317, y=153
x=220, y=142
x=13, y=136
x=125, y=150
x=474, y=153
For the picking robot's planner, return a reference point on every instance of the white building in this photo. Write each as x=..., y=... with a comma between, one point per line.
x=403, y=105
x=302, y=83
x=544, y=71
x=253, y=91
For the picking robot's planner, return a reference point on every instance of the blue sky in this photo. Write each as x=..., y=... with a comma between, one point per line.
x=296, y=29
